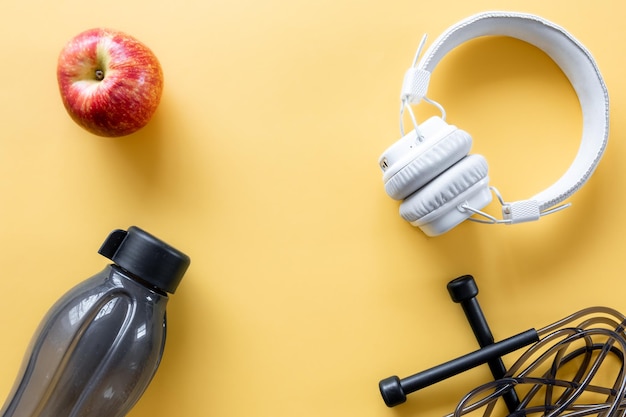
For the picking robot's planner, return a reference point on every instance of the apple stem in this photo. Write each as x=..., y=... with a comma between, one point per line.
x=99, y=75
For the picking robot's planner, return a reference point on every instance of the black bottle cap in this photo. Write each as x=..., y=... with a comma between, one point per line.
x=147, y=257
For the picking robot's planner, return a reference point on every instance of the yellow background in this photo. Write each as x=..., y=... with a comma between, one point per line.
x=306, y=287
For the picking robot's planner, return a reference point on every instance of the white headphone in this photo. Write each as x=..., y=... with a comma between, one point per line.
x=430, y=169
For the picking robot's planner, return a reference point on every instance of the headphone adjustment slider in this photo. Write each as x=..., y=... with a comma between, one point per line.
x=521, y=211
x=415, y=85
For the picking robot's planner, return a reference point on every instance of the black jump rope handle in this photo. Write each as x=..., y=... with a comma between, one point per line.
x=463, y=290
x=394, y=390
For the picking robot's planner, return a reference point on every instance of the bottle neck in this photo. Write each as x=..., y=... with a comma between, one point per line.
x=138, y=280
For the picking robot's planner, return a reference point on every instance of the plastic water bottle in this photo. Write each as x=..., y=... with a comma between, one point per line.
x=99, y=346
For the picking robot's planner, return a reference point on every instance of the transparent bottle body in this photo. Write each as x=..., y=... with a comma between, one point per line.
x=94, y=353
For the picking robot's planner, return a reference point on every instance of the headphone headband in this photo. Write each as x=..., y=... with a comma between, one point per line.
x=576, y=63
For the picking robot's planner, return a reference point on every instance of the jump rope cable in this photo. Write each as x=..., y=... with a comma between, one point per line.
x=564, y=349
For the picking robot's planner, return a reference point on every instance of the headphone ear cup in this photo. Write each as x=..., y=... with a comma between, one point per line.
x=410, y=163
x=436, y=207
x=434, y=159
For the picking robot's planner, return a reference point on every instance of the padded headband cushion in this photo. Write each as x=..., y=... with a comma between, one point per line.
x=573, y=59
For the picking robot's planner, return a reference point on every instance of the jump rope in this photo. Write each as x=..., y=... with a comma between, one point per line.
x=573, y=367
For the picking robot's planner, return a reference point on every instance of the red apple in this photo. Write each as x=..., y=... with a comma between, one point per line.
x=110, y=83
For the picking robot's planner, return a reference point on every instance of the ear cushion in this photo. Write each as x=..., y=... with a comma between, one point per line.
x=429, y=163
x=445, y=188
